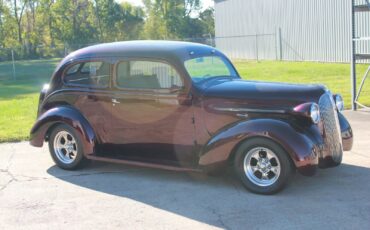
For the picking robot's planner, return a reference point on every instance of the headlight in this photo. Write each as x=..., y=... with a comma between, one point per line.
x=339, y=102
x=315, y=113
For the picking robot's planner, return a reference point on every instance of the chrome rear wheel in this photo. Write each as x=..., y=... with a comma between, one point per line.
x=65, y=147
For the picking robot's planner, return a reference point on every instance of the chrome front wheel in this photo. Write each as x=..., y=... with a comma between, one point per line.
x=262, y=166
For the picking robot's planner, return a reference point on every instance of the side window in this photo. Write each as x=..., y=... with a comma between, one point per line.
x=90, y=74
x=73, y=69
x=147, y=75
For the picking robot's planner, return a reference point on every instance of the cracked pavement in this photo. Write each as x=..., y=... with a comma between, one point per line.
x=35, y=194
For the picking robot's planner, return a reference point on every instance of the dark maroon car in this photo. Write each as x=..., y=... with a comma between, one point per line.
x=183, y=106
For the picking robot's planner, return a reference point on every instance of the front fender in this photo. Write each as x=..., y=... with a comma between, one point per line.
x=67, y=115
x=301, y=145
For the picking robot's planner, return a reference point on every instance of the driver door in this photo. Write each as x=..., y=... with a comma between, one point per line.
x=151, y=113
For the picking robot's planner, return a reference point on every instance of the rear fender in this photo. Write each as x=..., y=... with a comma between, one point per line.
x=299, y=144
x=63, y=115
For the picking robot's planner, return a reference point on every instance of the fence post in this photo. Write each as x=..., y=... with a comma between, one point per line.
x=14, y=76
x=257, y=47
x=280, y=44
x=276, y=45
x=353, y=57
x=211, y=40
x=65, y=50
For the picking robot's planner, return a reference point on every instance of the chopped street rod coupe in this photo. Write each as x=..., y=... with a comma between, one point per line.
x=183, y=106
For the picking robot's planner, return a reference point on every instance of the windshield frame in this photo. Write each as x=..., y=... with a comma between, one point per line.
x=228, y=64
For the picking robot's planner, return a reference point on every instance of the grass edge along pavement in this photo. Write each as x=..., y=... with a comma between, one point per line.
x=19, y=98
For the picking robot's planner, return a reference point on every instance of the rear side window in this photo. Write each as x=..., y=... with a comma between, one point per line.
x=147, y=75
x=89, y=74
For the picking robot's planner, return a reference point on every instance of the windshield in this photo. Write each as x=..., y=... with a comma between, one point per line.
x=202, y=68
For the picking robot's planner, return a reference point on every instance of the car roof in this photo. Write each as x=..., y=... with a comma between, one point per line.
x=169, y=50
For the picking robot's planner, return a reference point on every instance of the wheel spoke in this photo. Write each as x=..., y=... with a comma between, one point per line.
x=254, y=168
x=274, y=169
x=265, y=176
x=73, y=154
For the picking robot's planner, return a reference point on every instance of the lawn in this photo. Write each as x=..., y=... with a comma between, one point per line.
x=335, y=76
x=18, y=98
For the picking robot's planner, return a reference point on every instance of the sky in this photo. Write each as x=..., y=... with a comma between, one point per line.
x=206, y=3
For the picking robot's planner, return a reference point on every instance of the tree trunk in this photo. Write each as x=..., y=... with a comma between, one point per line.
x=1, y=25
x=98, y=19
x=18, y=18
x=50, y=24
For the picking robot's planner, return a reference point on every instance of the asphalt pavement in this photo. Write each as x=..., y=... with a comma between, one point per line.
x=35, y=194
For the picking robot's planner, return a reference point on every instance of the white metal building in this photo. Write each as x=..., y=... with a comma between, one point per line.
x=310, y=30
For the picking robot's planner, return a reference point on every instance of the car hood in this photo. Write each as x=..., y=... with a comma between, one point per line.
x=262, y=93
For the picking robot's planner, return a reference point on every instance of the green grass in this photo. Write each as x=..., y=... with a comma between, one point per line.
x=19, y=98
x=335, y=76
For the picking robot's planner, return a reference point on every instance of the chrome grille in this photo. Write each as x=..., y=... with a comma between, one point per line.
x=332, y=134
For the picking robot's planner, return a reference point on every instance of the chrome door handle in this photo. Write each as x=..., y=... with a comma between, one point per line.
x=242, y=115
x=114, y=101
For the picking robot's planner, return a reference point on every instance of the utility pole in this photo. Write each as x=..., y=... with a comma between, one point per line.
x=14, y=76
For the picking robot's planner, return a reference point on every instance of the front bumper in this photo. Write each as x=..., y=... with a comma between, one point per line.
x=326, y=159
x=322, y=158
x=347, y=134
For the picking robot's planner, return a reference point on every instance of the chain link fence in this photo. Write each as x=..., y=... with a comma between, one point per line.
x=41, y=61
x=251, y=47
x=22, y=76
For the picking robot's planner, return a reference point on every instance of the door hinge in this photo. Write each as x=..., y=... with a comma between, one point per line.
x=193, y=120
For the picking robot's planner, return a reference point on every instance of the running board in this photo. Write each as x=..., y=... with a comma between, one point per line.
x=144, y=164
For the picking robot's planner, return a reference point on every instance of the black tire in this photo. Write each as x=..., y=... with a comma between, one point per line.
x=80, y=160
x=337, y=162
x=331, y=162
x=286, y=166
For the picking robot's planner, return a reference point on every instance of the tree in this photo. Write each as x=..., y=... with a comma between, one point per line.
x=107, y=14
x=2, y=12
x=208, y=20
x=46, y=16
x=132, y=23
x=18, y=9
x=37, y=27
x=174, y=19
x=74, y=22
x=118, y=22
